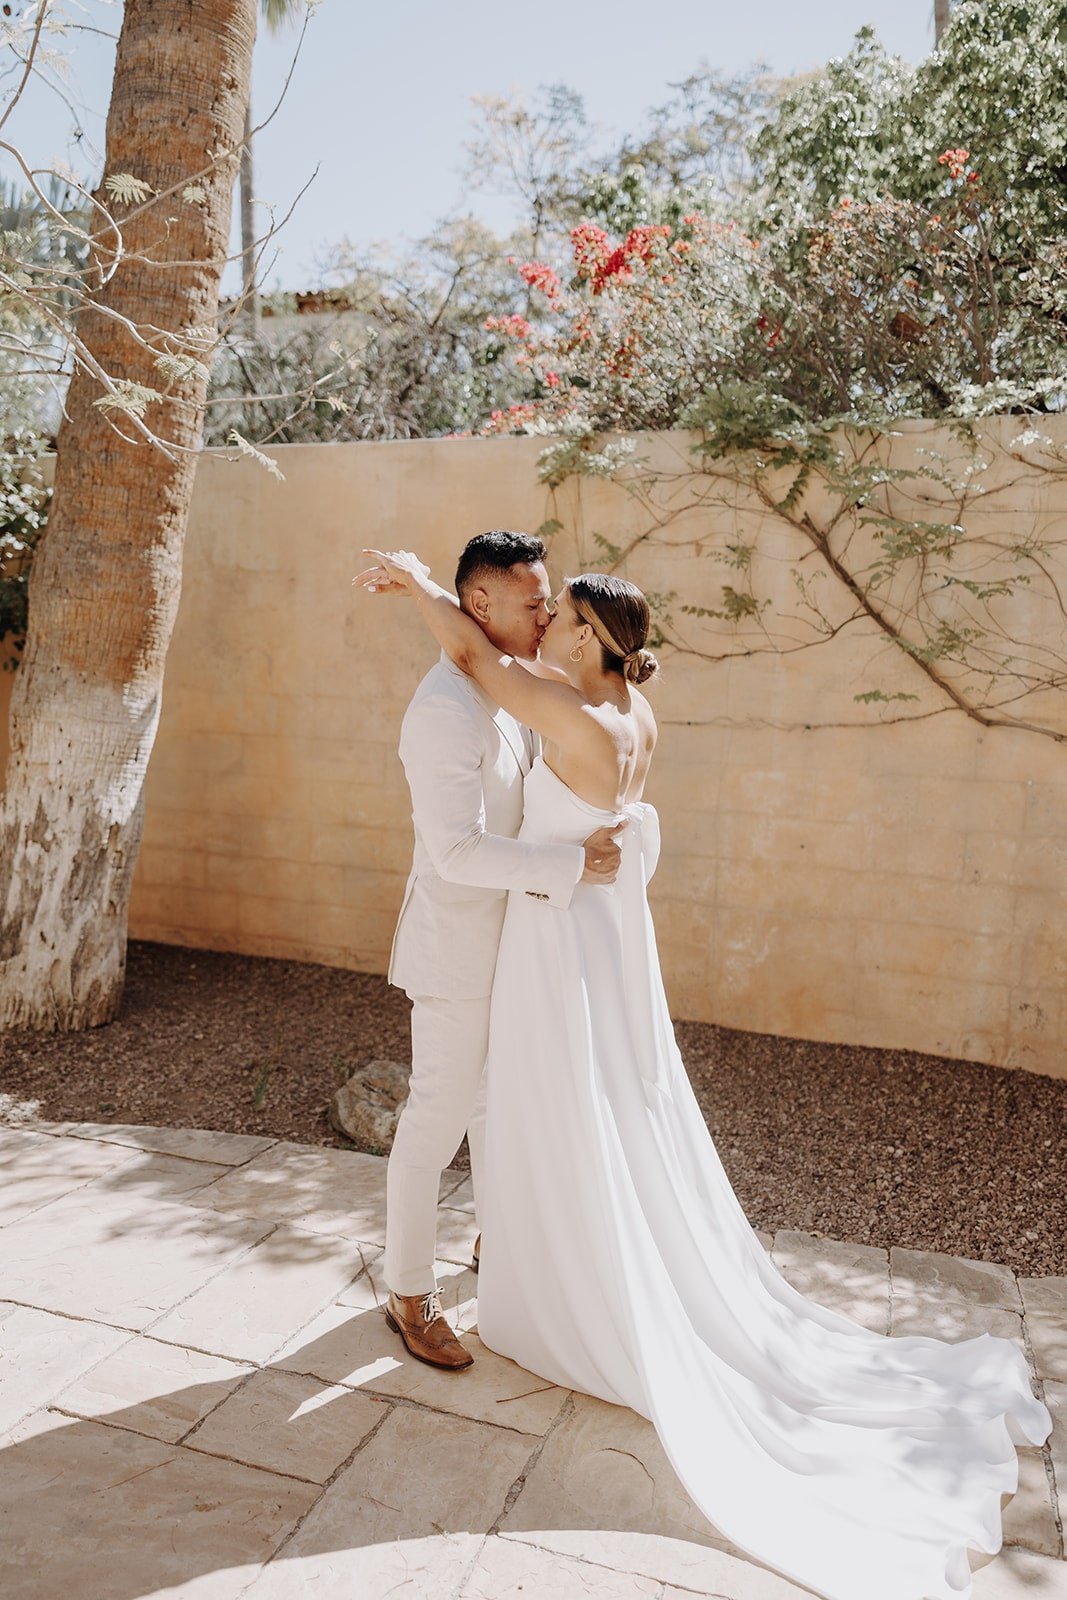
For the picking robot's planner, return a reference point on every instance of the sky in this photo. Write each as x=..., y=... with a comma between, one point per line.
x=379, y=106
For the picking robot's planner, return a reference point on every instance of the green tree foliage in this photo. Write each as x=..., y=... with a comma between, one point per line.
x=24, y=498
x=900, y=251
x=870, y=125
x=873, y=240
x=42, y=261
x=694, y=153
x=401, y=350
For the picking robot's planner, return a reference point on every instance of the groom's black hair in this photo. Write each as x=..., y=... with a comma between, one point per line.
x=495, y=552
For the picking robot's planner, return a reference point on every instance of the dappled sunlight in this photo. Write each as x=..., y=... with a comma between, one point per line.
x=267, y=1424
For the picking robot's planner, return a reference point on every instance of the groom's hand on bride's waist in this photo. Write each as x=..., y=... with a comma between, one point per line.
x=602, y=855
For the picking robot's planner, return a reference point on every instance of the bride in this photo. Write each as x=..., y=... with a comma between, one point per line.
x=616, y=1258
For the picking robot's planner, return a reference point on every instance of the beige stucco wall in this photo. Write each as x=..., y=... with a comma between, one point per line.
x=828, y=873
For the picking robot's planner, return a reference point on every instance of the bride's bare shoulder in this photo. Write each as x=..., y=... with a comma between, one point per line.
x=540, y=669
x=644, y=716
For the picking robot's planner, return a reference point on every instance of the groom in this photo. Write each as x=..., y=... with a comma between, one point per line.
x=465, y=760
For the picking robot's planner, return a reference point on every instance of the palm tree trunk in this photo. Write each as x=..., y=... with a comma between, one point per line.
x=107, y=576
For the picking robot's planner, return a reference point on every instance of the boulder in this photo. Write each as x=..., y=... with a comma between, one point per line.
x=367, y=1105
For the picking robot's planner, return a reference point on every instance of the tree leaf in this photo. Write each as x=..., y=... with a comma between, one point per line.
x=128, y=190
x=180, y=368
x=249, y=450
x=131, y=398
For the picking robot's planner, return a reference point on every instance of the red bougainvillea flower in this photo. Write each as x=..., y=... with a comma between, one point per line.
x=955, y=161
x=591, y=247
x=697, y=223
x=513, y=327
x=640, y=245
x=510, y=420
x=642, y=241
x=540, y=276
x=583, y=331
x=616, y=266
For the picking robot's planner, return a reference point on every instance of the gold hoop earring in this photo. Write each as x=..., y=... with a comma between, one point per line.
x=577, y=657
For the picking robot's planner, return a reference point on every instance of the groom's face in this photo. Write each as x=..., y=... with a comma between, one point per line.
x=512, y=608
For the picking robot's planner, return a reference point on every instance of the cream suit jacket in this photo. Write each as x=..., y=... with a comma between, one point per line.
x=465, y=760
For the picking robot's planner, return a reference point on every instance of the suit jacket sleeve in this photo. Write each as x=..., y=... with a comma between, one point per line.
x=442, y=763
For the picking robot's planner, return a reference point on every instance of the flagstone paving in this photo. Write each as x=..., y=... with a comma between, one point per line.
x=200, y=1399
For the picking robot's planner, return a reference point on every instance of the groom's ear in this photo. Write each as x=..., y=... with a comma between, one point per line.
x=477, y=603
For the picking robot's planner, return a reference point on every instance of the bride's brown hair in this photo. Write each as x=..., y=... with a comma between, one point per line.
x=617, y=612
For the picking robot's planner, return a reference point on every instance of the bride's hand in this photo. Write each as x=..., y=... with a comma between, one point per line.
x=393, y=573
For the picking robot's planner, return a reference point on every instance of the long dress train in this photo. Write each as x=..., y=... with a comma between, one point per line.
x=616, y=1260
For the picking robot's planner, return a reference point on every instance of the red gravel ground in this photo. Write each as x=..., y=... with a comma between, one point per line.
x=885, y=1147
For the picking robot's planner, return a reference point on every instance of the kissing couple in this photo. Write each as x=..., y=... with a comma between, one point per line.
x=615, y=1257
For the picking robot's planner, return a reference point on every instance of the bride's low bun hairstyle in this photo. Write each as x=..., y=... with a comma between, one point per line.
x=641, y=666
x=617, y=612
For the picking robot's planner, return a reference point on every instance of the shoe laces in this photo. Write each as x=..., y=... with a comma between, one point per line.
x=432, y=1307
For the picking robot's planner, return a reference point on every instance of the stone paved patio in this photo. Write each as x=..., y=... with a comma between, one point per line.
x=199, y=1397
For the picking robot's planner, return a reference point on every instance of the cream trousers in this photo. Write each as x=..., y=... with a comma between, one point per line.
x=446, y=1099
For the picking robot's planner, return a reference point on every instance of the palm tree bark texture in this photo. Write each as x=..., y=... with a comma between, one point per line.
x=107, y=576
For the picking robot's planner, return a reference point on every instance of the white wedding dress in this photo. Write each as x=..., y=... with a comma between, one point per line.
x=616, y=1259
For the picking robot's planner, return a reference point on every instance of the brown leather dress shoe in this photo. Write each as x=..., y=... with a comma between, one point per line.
x=477, y=1256
x=424, y=1328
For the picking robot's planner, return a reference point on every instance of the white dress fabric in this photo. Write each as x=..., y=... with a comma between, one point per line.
x=616, y=1260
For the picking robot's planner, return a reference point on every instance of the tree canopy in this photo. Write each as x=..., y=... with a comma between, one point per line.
x=874, y=239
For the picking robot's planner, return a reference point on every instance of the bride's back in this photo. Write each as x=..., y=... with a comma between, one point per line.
x=606, y=761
